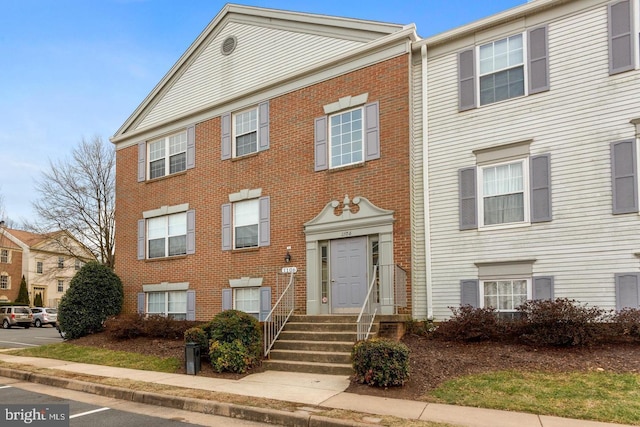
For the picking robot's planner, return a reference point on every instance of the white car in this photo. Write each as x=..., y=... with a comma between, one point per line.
x=44, y=316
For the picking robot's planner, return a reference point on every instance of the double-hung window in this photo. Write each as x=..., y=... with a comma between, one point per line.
x=60, y=285
x=505, y=295
x=167, y=235
x=168, y=155
x=504, y=196
x=4, y=256
x=4, y=281
x=504, y=189
x=247, y=294
x=172, y=304
x=246, y=220
x=60, y=262
x=502, y=69
x=347, y=135
x=247, y=300
x=166, y=232
x=39, y=268
x=245, y=132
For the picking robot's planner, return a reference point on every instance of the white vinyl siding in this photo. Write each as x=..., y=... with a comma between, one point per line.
x=587, y=109
x=215, y=76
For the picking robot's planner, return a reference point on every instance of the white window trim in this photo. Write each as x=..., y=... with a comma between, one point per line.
x=60, y=284
x=362, y=137
x=526, y=195
x=525, y=65
x=8, y=261
x=234, y=205
x=234, y=134
x=4, y=274
x=166, y=236
x=167, y=155
x=254, y=288
x=166, y=312
x=481, y=291
x=41, y=269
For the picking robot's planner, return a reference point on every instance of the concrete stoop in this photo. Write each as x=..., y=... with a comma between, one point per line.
x=316, y=344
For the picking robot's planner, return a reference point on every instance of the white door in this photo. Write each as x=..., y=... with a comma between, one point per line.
x=348, y=274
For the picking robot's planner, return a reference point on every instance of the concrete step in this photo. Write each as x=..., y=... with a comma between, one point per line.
x=324, y=319
x=310, y=367
x=311, y=356
x=322, y=327
x=319, y=336
x=300, y=345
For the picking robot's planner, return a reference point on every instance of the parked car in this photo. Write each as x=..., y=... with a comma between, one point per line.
x=44, y=316
x=13, y=315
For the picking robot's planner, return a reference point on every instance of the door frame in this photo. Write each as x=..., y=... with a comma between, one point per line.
x=339, y=220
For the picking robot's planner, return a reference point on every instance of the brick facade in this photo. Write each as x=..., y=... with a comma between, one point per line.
x=14, y=271
x=285, y=173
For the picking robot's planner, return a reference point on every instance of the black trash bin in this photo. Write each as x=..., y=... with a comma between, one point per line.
x=192, y=358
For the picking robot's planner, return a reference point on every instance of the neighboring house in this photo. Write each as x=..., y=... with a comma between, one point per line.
x=10, y=268
x=531, y=169
x=47, y=262
x=276, y=135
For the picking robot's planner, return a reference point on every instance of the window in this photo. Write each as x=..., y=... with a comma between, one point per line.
x=4, y=281
x=60, y=262
x=245, y=224
x=501, y=70
x=512, y=192
x=504, y=295
x=247, y=300
x=60, y=285
x=167, y=235
x=511, y=67
x=172, y=304
x=39, y=267
x=345, y=132
x=347, y=137
x=4, y=256
x=168, y=155
x=245, y=132
x=246, y=221
x=503, y=193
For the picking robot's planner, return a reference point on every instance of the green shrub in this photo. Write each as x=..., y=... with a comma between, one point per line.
x=231, y=325
x=380, y=362
x=95, y=293
x=560, y=323
x=235, y=339
x=472, y=324
x=199, y=336
x=230, y=357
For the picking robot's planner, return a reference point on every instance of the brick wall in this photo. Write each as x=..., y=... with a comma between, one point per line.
x=285, y=172
x=14, y=270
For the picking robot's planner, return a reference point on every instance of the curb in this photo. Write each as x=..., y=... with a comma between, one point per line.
x=230, y=410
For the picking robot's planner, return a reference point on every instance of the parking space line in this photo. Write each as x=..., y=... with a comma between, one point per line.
x=5, y=386
x=89, y=412
x=20, y=343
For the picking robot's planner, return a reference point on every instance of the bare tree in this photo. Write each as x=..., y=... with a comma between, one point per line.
x=78, y=195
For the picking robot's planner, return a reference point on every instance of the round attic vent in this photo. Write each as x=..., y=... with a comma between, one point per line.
x=229, y=45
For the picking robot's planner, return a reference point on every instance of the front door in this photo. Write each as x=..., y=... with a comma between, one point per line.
x=348, y=274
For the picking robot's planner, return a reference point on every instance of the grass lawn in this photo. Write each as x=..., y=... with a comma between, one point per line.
x=599, y=396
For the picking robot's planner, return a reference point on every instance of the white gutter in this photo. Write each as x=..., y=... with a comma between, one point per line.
x=425, y=181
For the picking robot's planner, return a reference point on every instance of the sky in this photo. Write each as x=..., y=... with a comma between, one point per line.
x=76, y=69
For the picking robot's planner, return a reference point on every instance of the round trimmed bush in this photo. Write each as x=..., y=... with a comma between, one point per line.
x=236, y=341
x=380, y=362
x=95, y=293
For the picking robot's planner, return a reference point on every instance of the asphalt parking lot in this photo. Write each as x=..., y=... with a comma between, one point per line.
x=17, y=337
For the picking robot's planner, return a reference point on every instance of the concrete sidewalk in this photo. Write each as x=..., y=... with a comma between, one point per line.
x=310, y=391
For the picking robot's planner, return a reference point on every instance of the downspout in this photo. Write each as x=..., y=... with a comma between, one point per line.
x=425, y=181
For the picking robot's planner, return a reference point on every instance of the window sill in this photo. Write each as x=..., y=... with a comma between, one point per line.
x=161, y=178
x=245, y=156
x=347, y=167
x=504, y=226
x=166, y=258
x=245, y=250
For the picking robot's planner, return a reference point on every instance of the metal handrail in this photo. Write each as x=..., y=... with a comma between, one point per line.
x=278, y=316
x=368, y=310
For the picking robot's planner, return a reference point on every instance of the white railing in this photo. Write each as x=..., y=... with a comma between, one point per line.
x=388, y=287
x=278, y=316
x=369, y=308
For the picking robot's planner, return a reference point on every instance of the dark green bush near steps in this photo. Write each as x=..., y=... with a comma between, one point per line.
x=235, y=341
x=95, y=293
x=380, y=362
